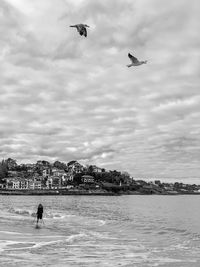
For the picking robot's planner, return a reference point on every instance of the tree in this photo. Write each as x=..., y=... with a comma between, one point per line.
x=45, y=163
x=60, y=165
x=90, y=169
x=11, y=164
x=77, y=178
x=3, y=169
x=71, y=162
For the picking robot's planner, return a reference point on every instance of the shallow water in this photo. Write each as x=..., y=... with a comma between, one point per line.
x=100, y=231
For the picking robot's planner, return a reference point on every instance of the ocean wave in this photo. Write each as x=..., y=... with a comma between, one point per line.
x=58, y=216
x=5, y=243
x=69, y=240
x=14, y=233
x=24, y=245
x=48, y=215
x=22, y=212
x=10, y=245
x=166, y=230
x=101, y=222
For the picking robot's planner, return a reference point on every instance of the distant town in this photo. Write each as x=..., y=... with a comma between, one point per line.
x=43, y=177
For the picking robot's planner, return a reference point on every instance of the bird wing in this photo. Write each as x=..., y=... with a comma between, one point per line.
x=84, y=32
x=132, y=58
x=81, y=29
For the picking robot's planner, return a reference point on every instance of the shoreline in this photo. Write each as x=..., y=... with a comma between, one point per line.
x=51, y=192
x=55, y=192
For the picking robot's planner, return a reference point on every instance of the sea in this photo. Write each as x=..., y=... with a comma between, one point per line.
x=98, y=231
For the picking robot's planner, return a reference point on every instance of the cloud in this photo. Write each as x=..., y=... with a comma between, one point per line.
x=67, y=97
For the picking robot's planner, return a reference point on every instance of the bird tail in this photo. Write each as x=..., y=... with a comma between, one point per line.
x=129, y=65
x=145, y=62
x=72, y=26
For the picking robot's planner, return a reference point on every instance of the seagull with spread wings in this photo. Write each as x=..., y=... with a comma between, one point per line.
x=81, y=28
x=135, y=61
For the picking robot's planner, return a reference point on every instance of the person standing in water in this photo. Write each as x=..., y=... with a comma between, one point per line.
x=39, y=212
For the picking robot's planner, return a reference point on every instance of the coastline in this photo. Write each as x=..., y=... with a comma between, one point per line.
x=56, y=192
x=46, y=192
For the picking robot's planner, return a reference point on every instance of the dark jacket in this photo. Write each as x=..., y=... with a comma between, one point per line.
x=40, y=211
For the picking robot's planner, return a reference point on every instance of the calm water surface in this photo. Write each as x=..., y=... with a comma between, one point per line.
x=97, y=231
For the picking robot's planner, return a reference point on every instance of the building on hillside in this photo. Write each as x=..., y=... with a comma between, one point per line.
x=12, y=183
x=70, y=186
x=66, y=178
x=39, y=162
x=34, y=184
x=24, y=184
x=46, y=172
x=56, y=182
x=28, y=165
x=169, y=187
x=158, y=182
x=16, y=184
x=141, y=182
x=96, y=169
x=21, y=183
x=30, y=170
x=12, y=173
x=49, y=183
x=87, y=179
x=42, y=163
x=57, y=172
x=2, y=186
x=37, y=184
x=75, y=167
x=31, y=184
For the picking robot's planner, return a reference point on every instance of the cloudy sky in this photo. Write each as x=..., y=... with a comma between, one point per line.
x=66, y=97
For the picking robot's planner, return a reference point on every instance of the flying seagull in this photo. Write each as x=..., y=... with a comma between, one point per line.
x=135, y=61
x=81, y=28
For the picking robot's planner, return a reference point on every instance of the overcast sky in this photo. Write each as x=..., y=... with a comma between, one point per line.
x=66, y=97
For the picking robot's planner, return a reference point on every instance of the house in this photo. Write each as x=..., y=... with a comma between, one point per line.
x=31, y=184
x=140, y=182
x=67, y=177
x=12, y=173
x=87, y=179
x=49, y=182
x=16, y=184
x=169, y=187
x=46, y=163
x=30, y=170
x=56, y=182
x=24, y=184
x=37, y=185
x=95, y=168
x=2, y=186
x=28, y=165
x=57, y=172
x=46, y=172
x=13, y=184
x=158, y=182
x=75, y=167
x=69, y=186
